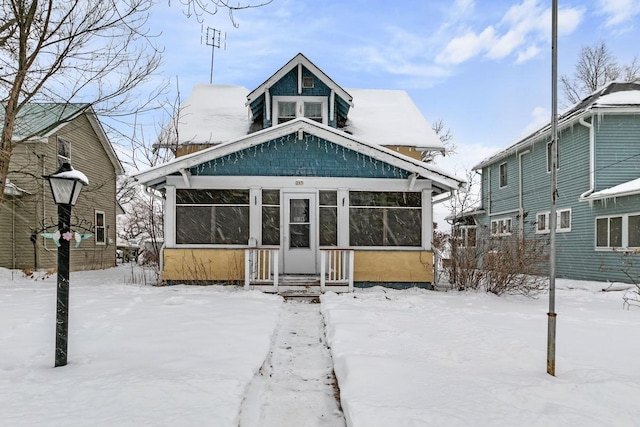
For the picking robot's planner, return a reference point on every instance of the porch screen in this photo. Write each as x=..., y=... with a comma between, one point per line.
x=385, y=218
x=219, y=217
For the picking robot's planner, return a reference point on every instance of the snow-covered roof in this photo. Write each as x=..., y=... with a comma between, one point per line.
x=10, y=189
x=442, y=180
x=214, y=114
x=211, y=114
x=389, y=117
x=629, y=188
x=621, y=96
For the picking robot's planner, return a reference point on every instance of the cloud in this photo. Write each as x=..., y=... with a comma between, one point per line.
x=619, y=11
x=521, y=32
x=539, y=117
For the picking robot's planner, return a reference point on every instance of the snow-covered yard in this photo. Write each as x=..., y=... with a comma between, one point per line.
x=186, y=356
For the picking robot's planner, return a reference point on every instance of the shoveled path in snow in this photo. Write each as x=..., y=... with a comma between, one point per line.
x=296, y=384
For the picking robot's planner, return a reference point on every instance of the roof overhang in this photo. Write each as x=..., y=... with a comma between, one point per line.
x=442, y=182
x=630, y=188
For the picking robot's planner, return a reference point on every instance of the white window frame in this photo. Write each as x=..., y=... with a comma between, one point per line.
x=462, y=234
x=501, y=226
x=624, y=243
x=103, y=227
x=546, y=228
x=501, y=175
x=300, y=100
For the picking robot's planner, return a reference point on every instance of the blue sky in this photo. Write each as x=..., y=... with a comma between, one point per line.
x=483, y=66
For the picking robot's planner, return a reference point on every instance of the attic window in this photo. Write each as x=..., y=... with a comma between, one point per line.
x=64, y=151
x=307, y=82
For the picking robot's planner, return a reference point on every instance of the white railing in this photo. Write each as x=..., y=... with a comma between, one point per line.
x=261, y=267
x=336, y=268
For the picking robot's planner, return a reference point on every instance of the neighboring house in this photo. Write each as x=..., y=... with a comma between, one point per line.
x=46, y=135
x=310, y=180
x=598, y=203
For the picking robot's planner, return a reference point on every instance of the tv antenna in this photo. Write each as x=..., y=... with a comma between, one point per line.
x=215, y=39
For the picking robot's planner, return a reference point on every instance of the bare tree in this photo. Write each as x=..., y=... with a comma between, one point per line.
x=87, y=51
x=595, y=68
x=199, y=8
x=446, y=137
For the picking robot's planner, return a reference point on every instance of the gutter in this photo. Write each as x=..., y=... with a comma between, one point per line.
x=592, y=158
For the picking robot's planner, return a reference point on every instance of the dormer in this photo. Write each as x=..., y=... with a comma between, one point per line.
x=299, y=89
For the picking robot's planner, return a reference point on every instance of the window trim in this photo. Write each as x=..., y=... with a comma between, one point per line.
x=103, y=227
x=502, y=178
x=547, y=229
x=501, y=224
x=66, y=144
x=463, y=235
x=624, y=241
x=300, y=100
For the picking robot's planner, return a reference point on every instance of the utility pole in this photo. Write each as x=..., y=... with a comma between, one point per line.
x=551, y=315
x=215, y=39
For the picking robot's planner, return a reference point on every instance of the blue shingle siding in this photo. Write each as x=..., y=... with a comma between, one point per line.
x=288, y=85
x=287, y=156
x=617, y=143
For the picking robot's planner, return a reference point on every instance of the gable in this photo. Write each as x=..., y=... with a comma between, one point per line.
x=311, y=156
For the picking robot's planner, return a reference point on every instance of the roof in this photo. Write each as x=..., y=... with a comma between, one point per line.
x=299, y=59
x=389, y=117
x=629, y=188
x=41, y=120
x=214, y=114
x=615, y=96
x=441, y=180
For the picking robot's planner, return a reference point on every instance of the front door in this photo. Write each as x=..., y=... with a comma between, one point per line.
x=300, y=233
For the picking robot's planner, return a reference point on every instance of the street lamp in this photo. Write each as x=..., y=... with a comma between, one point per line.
x=66, y=185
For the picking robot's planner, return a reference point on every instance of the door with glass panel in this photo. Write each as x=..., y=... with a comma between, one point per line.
x=300, y=247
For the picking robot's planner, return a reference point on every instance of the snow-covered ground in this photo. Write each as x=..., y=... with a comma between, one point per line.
x=190, y=356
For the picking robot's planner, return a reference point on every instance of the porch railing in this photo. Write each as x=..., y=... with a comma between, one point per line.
x=261, y=267
x=336, y=268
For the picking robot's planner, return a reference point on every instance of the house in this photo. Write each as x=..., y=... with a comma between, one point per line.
x=46, y=135
x=598, y=187
x=299, y=179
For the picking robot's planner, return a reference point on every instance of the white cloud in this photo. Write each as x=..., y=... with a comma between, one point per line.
x=521, y=31
x=619, y=11
x=539, y=117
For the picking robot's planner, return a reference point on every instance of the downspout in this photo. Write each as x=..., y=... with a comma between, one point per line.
x=520, y=202
x=592, y=158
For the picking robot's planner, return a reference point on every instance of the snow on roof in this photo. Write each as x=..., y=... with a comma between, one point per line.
x=631, y=97
x=629, y=188
x=212, y=114
x=389, y=117
x=217, y=114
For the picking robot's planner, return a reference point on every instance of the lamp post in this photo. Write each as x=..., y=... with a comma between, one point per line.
x=66, y=185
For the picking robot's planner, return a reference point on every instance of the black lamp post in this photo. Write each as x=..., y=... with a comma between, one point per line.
x=66, y=185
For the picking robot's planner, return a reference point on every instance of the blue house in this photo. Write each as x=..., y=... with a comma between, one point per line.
x=598, y=204
x=299, y=182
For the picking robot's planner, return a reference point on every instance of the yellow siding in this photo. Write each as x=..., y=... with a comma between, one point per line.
x=407, y=151
x=393, y=266
x=203, y=264
x=183, y=150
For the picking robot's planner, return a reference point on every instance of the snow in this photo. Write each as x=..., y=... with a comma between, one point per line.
x=218, y=113
x=72, y=174
x=144, y=355
x=389, y=117
x=631, y=97
x=625, y=189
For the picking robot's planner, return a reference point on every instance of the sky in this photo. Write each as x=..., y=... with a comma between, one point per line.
x=483, y=67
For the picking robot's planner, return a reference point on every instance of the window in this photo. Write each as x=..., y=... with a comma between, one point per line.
x=501, y=227
x=270, y=217
x=290, y=107
x=549, y=157
x=503, y=175
x=307, y=82
x=328, y=220
x=64, y=151
x=385, y=218
x=313, y=111
x=563, y=221
x=286, y=111
x=465, y=236
x=219, y=217
x=622, y=231
x=101, y=238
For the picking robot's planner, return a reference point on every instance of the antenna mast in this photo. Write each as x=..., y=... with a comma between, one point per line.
x=215, y=39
